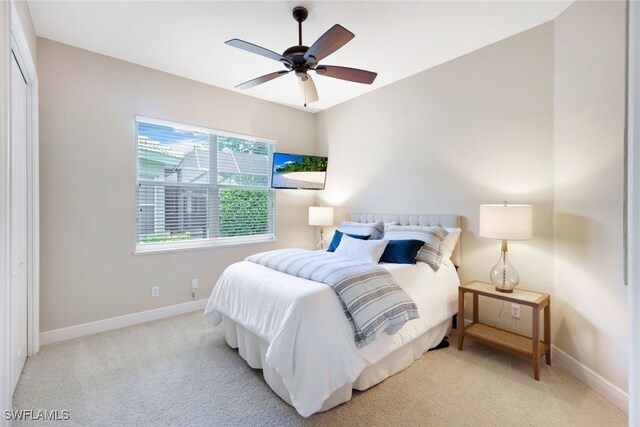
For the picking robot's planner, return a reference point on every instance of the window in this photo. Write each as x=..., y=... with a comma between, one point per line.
x=201, y=187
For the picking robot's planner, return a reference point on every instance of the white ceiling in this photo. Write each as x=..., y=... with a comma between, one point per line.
x=186, y=38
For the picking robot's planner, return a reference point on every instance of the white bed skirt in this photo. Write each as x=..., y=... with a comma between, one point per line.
x=253, y=350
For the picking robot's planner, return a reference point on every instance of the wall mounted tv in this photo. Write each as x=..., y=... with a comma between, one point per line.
x=297, y=171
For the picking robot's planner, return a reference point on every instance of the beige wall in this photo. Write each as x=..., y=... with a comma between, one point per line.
x=87, y=183
x=477, y=129
x=536, y=118
x=590, y=299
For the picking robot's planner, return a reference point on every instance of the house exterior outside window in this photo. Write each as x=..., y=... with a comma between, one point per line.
x=200, y=187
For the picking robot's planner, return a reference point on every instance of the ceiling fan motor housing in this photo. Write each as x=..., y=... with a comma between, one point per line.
x=296, y=54
x=298, y=63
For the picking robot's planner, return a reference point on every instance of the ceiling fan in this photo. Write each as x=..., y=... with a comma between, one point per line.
x=301, y=59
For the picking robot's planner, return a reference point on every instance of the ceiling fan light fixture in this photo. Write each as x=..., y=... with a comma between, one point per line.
x=307, y=90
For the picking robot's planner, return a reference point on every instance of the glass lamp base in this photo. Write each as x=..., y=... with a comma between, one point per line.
x=503, y=275
x=321, y=242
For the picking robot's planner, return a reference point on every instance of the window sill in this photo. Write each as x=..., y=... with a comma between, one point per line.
x=157, y=248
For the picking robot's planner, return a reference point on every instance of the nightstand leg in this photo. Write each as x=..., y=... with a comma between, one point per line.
x=475, y=308
x=460, y=323
x=536, y=343
x=547, y=332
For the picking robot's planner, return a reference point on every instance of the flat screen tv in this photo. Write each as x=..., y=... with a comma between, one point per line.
x=298, y=171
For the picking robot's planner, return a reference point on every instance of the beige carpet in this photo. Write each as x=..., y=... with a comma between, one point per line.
x=180, y=372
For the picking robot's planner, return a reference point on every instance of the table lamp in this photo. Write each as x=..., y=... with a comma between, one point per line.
x=320, y=216
x=505, y=222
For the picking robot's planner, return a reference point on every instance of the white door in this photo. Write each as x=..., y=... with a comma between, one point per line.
x=18, y=220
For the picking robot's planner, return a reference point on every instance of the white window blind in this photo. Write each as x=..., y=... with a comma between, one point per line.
x=201, y=187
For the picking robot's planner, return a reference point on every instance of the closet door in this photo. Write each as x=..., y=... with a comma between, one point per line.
x=18, y=218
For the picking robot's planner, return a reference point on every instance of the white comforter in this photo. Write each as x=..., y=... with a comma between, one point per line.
x=311, y=343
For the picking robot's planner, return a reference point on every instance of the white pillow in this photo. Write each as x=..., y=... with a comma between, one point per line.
x=365, y=250
x=450, y=241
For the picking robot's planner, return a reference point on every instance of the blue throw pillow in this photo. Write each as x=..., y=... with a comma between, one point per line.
x=338, y=236
x=401, y=251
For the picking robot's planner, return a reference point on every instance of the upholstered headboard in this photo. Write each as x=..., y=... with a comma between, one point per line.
x=450, y=221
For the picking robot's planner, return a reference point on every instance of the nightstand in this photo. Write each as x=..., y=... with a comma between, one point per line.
x=520, y=345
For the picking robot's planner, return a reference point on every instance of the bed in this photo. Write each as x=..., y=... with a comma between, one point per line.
x=298, y=335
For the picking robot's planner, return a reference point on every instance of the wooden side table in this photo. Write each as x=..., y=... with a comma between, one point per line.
x=520, y=345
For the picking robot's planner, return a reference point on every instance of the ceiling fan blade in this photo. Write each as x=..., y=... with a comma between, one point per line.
x=308, y=90
x=345, y=73
x=336, y=37
x=262, y=79
x=250, y=47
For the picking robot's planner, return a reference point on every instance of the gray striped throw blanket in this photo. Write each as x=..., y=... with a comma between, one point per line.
x=372, y=301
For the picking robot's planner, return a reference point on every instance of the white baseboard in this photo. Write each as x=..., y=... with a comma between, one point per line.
x=76, y=331
x=591, y=379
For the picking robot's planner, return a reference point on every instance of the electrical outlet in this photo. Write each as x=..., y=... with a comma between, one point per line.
x=155, y=291
x=194, y=283
x=515, y=310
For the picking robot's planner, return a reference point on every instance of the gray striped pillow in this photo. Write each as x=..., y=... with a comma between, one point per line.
x=431, y=251
x=373, y=229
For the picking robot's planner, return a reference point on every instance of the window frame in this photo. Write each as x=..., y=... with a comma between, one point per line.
x=211, y=242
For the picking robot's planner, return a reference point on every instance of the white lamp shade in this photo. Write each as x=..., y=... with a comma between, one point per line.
x=320, y=215
x=506, y=222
